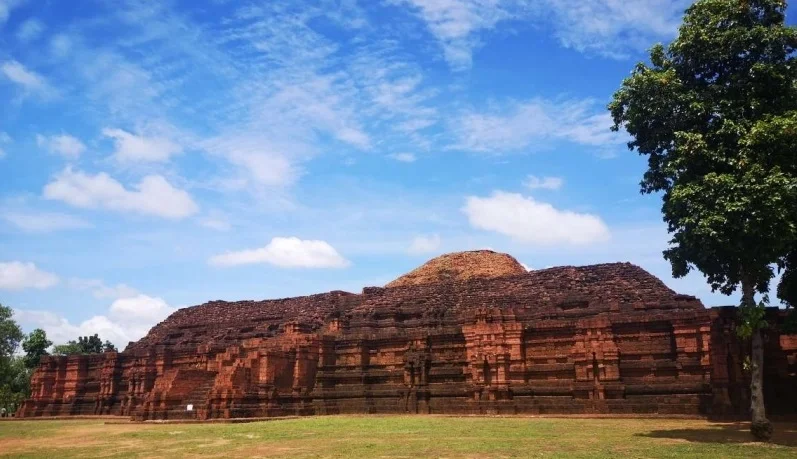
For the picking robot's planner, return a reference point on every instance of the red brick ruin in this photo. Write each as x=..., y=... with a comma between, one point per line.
x=607, y=338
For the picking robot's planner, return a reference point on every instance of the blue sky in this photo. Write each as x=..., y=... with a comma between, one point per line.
x=155, y=155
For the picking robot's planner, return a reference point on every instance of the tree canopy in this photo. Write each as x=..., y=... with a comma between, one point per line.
x=84, y=345
x=16, y=370
x=35, y=346
x=715, y=112
x=10, y=333
x=14, y=378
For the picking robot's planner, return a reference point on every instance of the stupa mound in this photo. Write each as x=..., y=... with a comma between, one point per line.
x=461, y=266
x=468, y=333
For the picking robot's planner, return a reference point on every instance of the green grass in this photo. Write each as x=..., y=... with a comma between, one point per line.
x=396, y=436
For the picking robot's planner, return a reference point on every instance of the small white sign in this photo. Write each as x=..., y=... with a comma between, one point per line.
x=189, y=407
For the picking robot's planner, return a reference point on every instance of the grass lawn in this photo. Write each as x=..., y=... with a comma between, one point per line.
x=396, y=436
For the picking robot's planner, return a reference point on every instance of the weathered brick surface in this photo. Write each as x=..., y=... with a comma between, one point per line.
x=596, y=339
x=461, y=266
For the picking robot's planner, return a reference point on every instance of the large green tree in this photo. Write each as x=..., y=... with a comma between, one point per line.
x=715, y=112
x=35, y=346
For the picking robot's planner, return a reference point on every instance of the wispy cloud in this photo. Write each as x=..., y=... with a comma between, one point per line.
x=60, y=46
x=27, y=79
x=6, y=6
x=457, y=24
x=216, y=223
x=30, y=30
x=44, y=222
x=100, y=290
x=4, y=139
x=259, y=160
x=615, y=28
x=404, y=157
x=516, y=126
x=533, y=182
x=610, y=28
x=422, y=245
x=280, y=89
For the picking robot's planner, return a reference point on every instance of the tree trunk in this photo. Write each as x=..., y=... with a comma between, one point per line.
x=761, y=428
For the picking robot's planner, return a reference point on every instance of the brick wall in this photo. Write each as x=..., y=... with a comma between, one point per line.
x=605, y=338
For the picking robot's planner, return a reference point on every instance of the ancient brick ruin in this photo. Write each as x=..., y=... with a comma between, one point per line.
x=607, y=338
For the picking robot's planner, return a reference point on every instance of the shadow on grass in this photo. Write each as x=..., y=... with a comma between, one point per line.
x=737, y=432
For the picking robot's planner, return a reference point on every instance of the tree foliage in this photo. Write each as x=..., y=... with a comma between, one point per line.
x=69, y=348
x=84, y=345
x=35, y=346
x=90, y=344
x=787, y=288
x=10, y=333
x=109, y=347
x=715, y=112
x=14, y=377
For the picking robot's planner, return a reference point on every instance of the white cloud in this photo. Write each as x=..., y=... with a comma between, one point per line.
x=16, y=275
x=404, y=157
x=30, y=30
x=140, y=309
x=517, y=126
x=153, y=195
x=28, y=79
x=615, y=28
x=456, y=23
x=526, y=267
x=44, y=222
x=527, y=220
x=424, y=244
x=137, y=148
x=128, y=319
x=100, y=290
x=65, y=145
x=545, y=183
x=290, y=252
